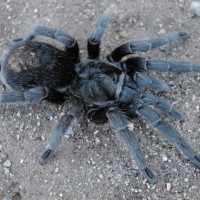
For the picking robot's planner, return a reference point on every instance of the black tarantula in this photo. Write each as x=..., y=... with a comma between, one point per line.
x=45, y=65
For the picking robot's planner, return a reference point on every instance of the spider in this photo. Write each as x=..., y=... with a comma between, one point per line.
x=45, y=65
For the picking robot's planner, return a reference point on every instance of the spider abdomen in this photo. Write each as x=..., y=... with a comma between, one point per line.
x=31, y=64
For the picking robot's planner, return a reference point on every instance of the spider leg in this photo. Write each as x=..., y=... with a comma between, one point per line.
x=63, y=126
x=56, y=38
x=118, y=120
x=129, y=92
x=97, y=33
x=56, y=138
x=155, y=119
x=133, y=64
x=161, y=104
x=150, y=82
x=11, y=97
x=30, y=95
x=144, y=46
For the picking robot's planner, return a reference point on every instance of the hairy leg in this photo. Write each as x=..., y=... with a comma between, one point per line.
x=97, y=33
x=30, y=95
x=119, y=122
x=133, y=64
x=63, y=126
x=144, y=46
x=161, y=104
x=150, y=82
x=155, y=119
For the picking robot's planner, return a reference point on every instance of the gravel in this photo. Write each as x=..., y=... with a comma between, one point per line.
x=94, y=164
x=7, y=163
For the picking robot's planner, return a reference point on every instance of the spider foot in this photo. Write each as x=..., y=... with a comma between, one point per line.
x=189, y=152
x=169, y=132
x=196, y=160
x=151, y=178
x=118, y=120
x=46, y=156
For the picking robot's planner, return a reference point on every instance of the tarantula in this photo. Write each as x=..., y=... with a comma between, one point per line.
x=45, y=64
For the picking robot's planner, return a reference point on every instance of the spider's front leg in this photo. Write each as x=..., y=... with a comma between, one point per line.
x=144, y=46
x=120, y=123
x=74, y=109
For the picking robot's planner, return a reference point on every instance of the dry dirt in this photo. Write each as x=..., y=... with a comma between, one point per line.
x=94, y=165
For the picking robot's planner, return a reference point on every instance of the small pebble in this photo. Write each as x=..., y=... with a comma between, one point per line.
x=61, y=195
x=194, y=187
x=141, y=24
x=195, y=6
x=168, y=186
x=18, y=114
x=165, y=158
x=135, y=190
x=131, y=126
x=51, y=118
x=7, y=163
x=92, y=162
x=171, y=83
x=35, y=10
x=100, y=176
x=95, y=132
x=43, y=138
x=97, y=140
x=186, y=179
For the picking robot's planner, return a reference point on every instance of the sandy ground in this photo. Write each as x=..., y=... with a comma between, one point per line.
x=94, y=164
